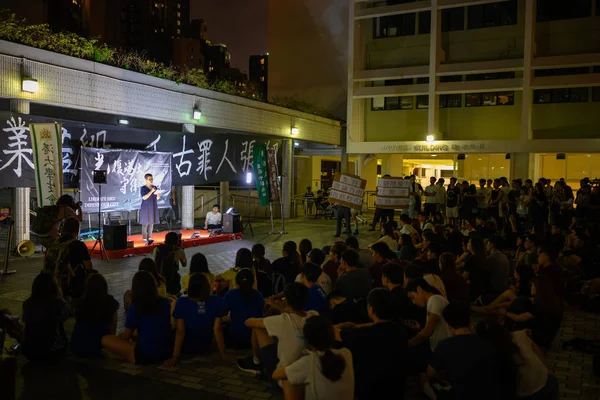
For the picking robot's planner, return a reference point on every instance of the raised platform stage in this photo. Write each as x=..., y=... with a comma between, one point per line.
x=139, y=247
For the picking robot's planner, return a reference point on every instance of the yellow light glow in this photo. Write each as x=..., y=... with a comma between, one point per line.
x=430, y=138
x=29, y=85
x=295, y=131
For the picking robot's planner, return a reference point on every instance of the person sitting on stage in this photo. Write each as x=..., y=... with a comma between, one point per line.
x=168, y=257
x=150, y=315
x=213, y=219
x=198, y=318
x=198, y=264
x=241, y=303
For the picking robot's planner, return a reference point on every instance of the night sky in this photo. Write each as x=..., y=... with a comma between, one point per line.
x=240, y=24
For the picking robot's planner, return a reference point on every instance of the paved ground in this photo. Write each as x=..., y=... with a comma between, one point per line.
x=207, y=376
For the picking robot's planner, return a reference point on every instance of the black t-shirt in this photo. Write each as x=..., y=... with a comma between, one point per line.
x=407, y=310
x=556, y=276
x=479, y=278
x=354, y=284
x=44, y=334
x=379, y=358
x=470, y=364
x=287, y=267
x=452, y=195
x=78, y=251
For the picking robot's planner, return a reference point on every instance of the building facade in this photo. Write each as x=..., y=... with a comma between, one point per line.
x=475, y=88
x=258, y=71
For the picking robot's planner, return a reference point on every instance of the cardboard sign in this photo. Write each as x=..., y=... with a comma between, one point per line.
x=347, y=190
x=392, y=192
x=392, y=202
x=393, y=182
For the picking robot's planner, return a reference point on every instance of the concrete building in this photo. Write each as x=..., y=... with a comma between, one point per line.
x=475, y=88
x=258, y=71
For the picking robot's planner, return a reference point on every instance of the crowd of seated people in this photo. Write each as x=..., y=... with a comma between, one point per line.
x=342, y=322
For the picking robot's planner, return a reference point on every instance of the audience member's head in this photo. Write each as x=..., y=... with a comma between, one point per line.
x=244, y=259
x=547, y=256
x=290, y=249
x=476, y=246
x=296, y=295
x=244, y=279
x=199, y=263
x=66, y=200
x=524, y=276
x=392, y=275
x=44, y=288
x=382, y=305
x=144, y=293
x=352, y=243
x=172, y=239
x=406, y=240
x=434, y=251
x=320, y=336
x=326, y=250
x=350, y=259
x=419, y=291
x=94, y=305
x=310, y=273
x=530, y=242
x=447, y=263
x=149, y=265
x=198, y=287
x=71, y=227
x=336, y=251
x=405, y=219
x=316, y=256
x=412, y=271
x=387, y=230
x=258, y=251
x=380, y=251
x=495, y=243
x=457, y=316
x=305, y=248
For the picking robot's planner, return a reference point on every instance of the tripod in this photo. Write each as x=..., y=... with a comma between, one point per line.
x=248, y=222
x=99, y=240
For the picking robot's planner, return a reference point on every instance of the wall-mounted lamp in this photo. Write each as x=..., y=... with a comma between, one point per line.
x=295, y=130
x=430, y=138
x=249, y=177
x=29, y=84
x=124, y=122
x=197, y=114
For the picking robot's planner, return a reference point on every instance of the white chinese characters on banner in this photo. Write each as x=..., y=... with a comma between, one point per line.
x=19, y=149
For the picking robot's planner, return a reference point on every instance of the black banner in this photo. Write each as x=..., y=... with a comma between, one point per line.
x=208, y=156
x=125, y=170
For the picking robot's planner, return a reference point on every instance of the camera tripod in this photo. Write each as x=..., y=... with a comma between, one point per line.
x=99, y=241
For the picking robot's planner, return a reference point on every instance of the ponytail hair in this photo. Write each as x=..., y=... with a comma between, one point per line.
x=319, y=335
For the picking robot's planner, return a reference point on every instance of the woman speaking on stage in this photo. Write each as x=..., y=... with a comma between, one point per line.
x=149, y=209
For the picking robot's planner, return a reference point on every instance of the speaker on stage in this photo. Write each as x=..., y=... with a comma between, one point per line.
x=115, y=237
x=231, y=223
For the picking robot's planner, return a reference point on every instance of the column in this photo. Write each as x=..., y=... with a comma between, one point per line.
x=528, y=51
x=21, y=195
x=186, y=200
x=224, y=201
x=344, y=156
x=186, y=203
x=287, y=176
x=519, y=165
x=435, y=51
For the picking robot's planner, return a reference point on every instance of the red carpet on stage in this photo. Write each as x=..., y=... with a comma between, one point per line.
x=139, y=247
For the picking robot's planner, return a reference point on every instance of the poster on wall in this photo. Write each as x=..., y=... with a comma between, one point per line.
x=125, y=170
x=392, y=193
x=208, y=156
x=347, y=190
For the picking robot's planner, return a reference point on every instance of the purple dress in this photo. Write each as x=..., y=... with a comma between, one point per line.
x=149, y=208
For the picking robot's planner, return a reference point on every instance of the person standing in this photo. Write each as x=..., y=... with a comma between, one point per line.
x=342, y=213
x=414, y=204
x=431, y=198
x=440, y=198
x=149, y=209
x=452, y=200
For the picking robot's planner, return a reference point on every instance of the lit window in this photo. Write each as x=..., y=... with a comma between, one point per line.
x=178, y=15
x=178, y=31
x=262, y=78
x=178, y=5
x=178, y=23
x=262, y=61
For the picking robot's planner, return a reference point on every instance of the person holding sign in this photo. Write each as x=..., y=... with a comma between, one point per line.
x=149, y=209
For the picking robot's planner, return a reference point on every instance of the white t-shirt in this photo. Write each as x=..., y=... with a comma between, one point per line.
x=407, y=229
x=390, y=241
x=307, y=371
x=287, y=328
x=532, y=374
x=436, y=282
x=431, y=189
x=213, y=219
x=436, y=305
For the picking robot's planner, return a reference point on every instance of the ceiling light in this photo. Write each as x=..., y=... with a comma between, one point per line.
x=29, y=85
x=430, y=138
x=434, y=155
x=197, y=114
x=124, y=122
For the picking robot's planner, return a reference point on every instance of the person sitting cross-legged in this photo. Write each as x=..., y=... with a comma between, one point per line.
x=317, y=299
x=150, y=314
x=287, y=327
x=198, y=318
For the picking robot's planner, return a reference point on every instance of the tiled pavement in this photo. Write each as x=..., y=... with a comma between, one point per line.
x=207, y=376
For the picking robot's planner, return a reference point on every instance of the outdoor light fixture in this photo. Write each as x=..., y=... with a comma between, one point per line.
x=296, y=144
x=197, y=114
x=249, y=177
x=430, y=138
x=124, y=122
x=434, y=155
x=29, y=85
x=295, y=130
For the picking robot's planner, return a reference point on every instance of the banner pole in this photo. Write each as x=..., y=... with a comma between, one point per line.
x=282, y=232
x=271, y=217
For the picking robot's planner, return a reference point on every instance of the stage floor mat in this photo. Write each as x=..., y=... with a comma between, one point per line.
x=139, y=247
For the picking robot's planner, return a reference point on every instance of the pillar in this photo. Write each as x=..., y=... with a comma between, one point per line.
x=21, y=195
x=519, y=165
x=287, y=177
x=435, y=50
x=187, y=207
x=528, y=51
x=224, y=196
x=344, y=157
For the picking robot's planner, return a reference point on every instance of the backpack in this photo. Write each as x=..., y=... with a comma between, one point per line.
x=71, y=279
x=278, y=282
x=169, y=268
x=46, y=218
x=264, y=283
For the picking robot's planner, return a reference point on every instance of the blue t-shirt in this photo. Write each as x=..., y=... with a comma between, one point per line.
x=240, y=311
x=155, y=336
x=199, y=319
x=87, y=336
x=317, y=301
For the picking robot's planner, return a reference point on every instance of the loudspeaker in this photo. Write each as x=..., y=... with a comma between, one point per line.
x=507, y=156
x=561, y=156
x=461, y=157
x=26, y=248
x=231, y=223
x=115, y=237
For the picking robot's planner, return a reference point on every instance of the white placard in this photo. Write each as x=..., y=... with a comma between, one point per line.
x=396, y=202
x=348, y=180
x=345, y=197
x=357, y=191
x=392, y=191
x=393, y=183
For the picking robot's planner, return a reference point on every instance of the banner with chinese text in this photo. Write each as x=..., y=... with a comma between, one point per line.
x=125, y=170
x=392, y=193
x=262, y=177
x=273, y=183
x=47, y=156
x=208, y=156
x=347, y=190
